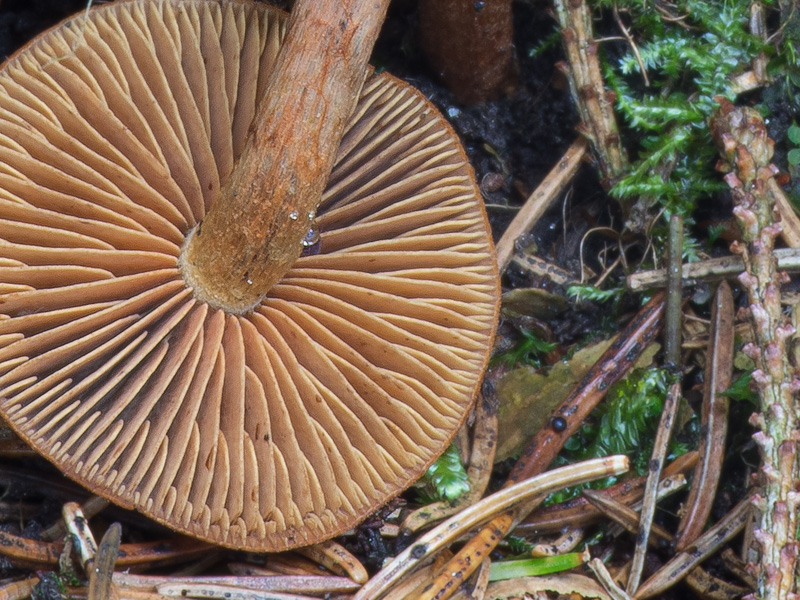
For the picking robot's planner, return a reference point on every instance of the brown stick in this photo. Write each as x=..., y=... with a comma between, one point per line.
x=101, y=586
x=612, y=366
x=35, y=554
x=18, y=589
x=254, y=230
x=674, y=303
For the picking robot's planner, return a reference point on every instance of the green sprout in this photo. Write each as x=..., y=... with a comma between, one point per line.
x=532, y=567
x=793, y=156
x=529, y=349
x=446, y=479
x=741, y=390
x=580, y=292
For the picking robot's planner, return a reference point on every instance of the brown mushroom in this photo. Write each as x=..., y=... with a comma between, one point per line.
x=266, y=427
x=470, y=46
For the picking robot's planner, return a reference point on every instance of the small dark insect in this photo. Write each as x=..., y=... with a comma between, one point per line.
x=558, y=424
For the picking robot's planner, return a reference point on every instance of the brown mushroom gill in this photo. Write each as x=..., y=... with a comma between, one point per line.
x=266, y=430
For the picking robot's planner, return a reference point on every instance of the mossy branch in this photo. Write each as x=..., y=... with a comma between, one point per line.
x=747, y=151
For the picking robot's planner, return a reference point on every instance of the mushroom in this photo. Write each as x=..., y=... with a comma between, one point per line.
x=262, y=424
x=470, y=45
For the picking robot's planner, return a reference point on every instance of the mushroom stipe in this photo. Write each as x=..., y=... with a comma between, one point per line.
x=266, y=430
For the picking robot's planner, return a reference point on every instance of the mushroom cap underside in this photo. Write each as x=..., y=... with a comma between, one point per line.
x=269, y=430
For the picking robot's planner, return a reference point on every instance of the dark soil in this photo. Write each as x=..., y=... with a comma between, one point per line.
x=20, y=20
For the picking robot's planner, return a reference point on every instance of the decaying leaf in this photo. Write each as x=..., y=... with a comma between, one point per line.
x=528, y=396
x=570, y=583
x=533, y=302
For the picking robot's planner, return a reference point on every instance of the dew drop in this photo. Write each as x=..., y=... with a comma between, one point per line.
x=311, y=242
x=293, y=215
x=312, y=236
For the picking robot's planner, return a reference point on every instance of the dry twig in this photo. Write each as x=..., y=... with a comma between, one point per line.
x=594, y=103
x=337, y=559
x=653, y=475
x=18, y=590
x=538, y=202
x=101, y=585
x=541, y=268
x=704, y=546
x=607, y=581
x=715, y=269
x=566, y=542
x=288, y=584
x=672, y=317
x=714, y=420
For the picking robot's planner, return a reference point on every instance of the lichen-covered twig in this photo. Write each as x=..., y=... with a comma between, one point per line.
x=712, y=269
x=674, y=302
x=747, y=151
